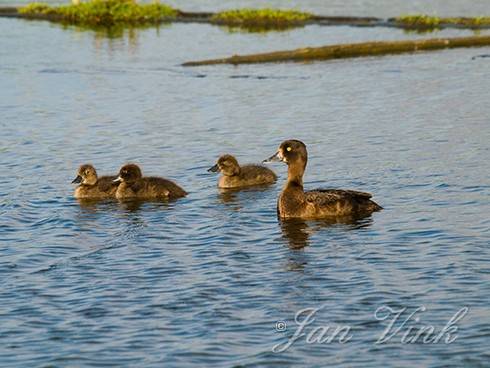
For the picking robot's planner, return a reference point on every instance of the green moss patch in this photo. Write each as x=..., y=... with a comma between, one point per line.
x=103, y=12
x=261, y=19
x=429, y=22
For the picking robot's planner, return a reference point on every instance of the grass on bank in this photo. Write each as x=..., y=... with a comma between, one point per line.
x=103, y=12
x=261, y=18
x=430, y=22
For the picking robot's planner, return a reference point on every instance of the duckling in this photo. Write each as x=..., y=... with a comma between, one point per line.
x=93, y=187
x=236, y=176
x=134, y=186
x=294, y=202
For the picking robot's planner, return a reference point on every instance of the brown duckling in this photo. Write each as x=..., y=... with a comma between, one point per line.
x=294, y=202
x=134, y=186
x=236, y=176
x=93, y=187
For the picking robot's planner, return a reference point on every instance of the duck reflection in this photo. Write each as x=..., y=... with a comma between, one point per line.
x=297, y=232
x=235, y=196
x=136, y=205
x=91, y=205
x=94, y=205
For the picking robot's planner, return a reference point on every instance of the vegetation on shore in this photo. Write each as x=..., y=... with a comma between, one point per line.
x=422, y=21
x=102, y=12
x=261, y=19
x=350, y=51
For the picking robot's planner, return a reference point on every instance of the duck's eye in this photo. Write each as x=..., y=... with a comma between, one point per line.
x=288, y=149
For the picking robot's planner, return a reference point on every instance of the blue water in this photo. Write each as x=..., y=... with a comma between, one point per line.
x=203, y=281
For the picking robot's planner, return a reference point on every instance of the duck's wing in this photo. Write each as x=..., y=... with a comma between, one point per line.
x=137, y=186
x=251, y=171
x=329, y=196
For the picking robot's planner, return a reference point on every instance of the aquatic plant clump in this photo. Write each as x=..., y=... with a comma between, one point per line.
x=261, y=18
x=103, y=12
x=431, y=22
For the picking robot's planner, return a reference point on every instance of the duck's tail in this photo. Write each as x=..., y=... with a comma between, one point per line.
x=373, y=206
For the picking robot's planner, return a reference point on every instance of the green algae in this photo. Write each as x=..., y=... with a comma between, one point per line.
x=102, y=12
x=421, y=21
x=258, y=20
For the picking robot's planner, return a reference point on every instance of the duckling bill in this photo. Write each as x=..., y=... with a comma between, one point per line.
x=93, y=187
x=236, y=176
x=294, y=202
x=133, y=185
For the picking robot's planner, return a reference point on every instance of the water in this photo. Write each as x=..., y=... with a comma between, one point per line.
x=203, y=281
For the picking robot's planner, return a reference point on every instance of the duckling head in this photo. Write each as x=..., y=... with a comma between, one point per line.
x=227, y=165
x=291, y=152
x=86, y=175
x=129, y=173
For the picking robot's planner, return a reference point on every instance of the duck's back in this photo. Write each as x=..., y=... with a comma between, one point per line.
x=249, y=175
x=103, y=188
x=150, y=187
x=107, y=184
x=324, y=203
x=340, y=202
x=164, y=187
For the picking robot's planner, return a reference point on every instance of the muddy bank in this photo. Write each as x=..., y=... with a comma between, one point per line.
x=349, y=51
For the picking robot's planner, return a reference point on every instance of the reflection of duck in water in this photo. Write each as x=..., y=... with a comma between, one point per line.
x=91, y=186
x=236, y=176
x=236, y=195
x=294, y=202
x=297, y=232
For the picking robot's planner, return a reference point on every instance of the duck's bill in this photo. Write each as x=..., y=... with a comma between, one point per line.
x=276, y=157
x=214, y=168
x=77, y=180
x=117, y=180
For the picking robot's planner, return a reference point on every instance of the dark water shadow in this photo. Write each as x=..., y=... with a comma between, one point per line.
x=297, y=232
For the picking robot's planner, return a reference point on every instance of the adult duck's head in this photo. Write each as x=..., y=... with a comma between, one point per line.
x=292, y=152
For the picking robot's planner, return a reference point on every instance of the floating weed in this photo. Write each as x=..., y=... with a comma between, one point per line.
x=260, y=20
x=422, y=21
x=103, y=12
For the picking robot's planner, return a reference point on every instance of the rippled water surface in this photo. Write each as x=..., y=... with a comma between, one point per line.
x=203, y=281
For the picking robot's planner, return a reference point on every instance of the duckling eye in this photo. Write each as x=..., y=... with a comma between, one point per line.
x=288, y=149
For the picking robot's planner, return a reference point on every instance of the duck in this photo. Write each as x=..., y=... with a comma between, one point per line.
x=91, y=186
x=133, y=185
x=294, y=202
x=236, y=176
